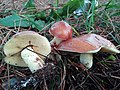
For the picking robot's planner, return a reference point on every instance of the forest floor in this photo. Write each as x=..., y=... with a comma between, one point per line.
x=64, y=70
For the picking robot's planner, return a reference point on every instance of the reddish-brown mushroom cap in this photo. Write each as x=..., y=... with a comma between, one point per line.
x=77, y=45
x=61, y=30
x=89, y=43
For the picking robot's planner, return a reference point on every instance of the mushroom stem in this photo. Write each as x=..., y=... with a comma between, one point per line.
x=86, y=59
x=56, y=41
x=33, y=61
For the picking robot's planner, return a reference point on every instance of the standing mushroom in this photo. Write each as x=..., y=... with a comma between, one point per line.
x=23, y=48
x=61, y=31
x=86, y=45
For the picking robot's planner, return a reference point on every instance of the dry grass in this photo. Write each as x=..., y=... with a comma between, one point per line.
x=18, y=4
x=67, y=73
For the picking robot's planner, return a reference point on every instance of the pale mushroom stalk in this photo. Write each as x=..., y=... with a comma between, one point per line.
x=56, y=41
x=18, y=55
x=32, y=59
x=86, y=45
x=86, y=59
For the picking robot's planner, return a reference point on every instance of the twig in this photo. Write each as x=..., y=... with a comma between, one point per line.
x=47, y=26
x=96, y=82
x=5, y=38
x=115, y=77
x=111, y=22
x=115, y=88
x=19, y=73
x=64, y=73
x=46, y=88
x=8, y=76
x=13, y=4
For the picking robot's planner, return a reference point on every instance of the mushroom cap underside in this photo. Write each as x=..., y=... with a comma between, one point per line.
x=89, y=43
x=19, y=41
x=15, y=60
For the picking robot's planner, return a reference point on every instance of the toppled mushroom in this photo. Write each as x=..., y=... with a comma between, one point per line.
x=61, y=31
x=86, y=45
x=21, y=50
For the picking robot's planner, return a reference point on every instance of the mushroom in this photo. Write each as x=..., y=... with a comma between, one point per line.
x=61, y=31
x=86, y=45
x=23, y=48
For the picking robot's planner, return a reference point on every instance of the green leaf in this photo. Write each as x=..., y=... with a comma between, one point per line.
x=71, y=6
x=14, y=20
x=39, y=24
x=111, y=57
x=53, y=16
x=41, y=15
x=30, y=4
x=63, y=12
